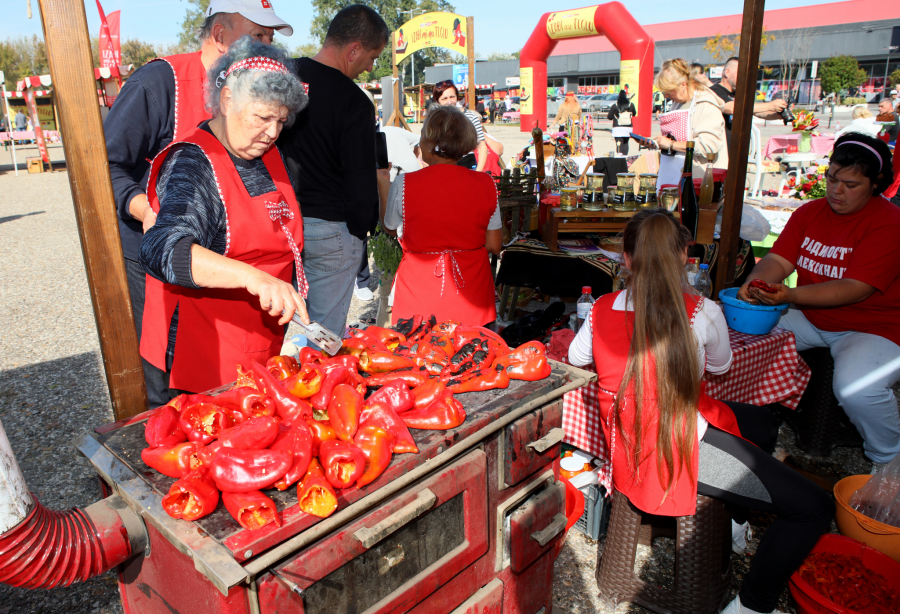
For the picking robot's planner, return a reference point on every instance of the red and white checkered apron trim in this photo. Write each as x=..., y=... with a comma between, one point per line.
x=278, y=212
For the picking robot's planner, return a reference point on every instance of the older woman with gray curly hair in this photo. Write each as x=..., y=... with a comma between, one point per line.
x=226, y=244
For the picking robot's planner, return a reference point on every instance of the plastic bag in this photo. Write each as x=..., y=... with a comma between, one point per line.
x=754, y=226
x=879, y=498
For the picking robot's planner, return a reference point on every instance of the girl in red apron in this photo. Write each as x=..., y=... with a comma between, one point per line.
x=448, y=221
x=666, y=439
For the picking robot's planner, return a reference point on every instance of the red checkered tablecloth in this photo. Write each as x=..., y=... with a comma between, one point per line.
x=765, y=369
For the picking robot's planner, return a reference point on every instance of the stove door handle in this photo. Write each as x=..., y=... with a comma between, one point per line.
x=553, y=529
x=547, y=441
x=369, y=536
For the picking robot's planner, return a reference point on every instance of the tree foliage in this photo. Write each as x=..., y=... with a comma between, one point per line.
x=723, y=46
x=895, y=78
x=841, y=72
x=137, y=52
x=193, y=19
x=325, y=10
x=23, y=57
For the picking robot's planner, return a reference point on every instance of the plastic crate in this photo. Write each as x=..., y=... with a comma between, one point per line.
x=594, y=520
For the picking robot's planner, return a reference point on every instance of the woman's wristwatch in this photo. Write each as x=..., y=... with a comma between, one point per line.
x=671, y=150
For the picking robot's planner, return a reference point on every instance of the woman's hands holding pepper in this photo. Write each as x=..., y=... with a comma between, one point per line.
x=276, y=296
x=759, y=293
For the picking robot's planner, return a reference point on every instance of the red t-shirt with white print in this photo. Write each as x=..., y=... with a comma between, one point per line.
x=824, y=246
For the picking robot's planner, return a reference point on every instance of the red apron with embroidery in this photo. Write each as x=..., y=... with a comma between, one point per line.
x=190, y=81
x=611, y=341
x=219, y=328
x=445, y=268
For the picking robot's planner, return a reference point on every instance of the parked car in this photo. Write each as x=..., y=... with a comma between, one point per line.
x=599, y=103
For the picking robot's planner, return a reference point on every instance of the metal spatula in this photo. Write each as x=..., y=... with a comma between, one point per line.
x=319, y=335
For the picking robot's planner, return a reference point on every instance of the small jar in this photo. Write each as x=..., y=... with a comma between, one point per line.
x=668, y=199
x=593, y=201
x=568, y=199
x=646, y=197
x=625, y=192
x=570, y=466
x=594, y=182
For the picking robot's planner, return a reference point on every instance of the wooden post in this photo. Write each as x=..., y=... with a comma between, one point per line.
x=470, y=51
x=69, y=54
x=396, y=118
x=745, y=94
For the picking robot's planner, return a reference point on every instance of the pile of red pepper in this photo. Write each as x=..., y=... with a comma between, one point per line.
x=848, y=583
x=308, y=421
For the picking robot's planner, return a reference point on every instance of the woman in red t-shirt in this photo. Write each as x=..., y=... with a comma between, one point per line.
x=846, y=252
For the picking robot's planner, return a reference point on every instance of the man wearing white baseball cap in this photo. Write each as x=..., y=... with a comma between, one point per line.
x=159, y=103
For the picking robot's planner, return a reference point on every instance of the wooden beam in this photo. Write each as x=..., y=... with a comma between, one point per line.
x=744, y=96
x=470, y=51
x=69, y=54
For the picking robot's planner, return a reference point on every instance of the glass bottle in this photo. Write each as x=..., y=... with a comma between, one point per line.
x=568, y=199
x=646, y=198
x=690, y=209
x=706, y=187
x=692, y=269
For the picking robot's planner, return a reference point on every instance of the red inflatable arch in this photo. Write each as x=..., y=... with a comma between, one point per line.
x=611, y=20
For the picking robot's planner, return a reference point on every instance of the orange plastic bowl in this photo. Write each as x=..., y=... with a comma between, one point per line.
x=882, y=537
x=811, y=601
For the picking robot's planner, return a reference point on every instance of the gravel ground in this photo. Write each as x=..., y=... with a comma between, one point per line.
x=52, y=384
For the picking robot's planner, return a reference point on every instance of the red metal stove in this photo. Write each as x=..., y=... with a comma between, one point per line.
x=467, y=525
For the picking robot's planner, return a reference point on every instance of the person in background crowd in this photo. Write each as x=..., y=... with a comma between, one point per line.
x=331, y=152
x=669, y=441
x=569, y=109
x=226, y=243
x=492, y=110
x=4, y=124
x=863, y=122
x=622, y=115
x=886, y=109
x=699, y=75
x=446, y=273
x=159, y=103
x=479, y=108
x=21, y=121
x=507, y=102
x=725, y=90
x=844, y=248
x=446, y=94
x=695, y=116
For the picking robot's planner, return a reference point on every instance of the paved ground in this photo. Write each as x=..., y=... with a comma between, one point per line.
x=52, y=384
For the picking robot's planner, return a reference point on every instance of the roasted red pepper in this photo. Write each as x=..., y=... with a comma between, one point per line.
x=207, y=454
x=440, y=341
x=163, y=428
x=308, y=355
x=373, y=361
x=380, y=413
x=315, y=495
x=371, y=342
x=254, y=434
x=445, y=413
x=413, y=378
x=390, y=338
x=250, y=401
x=761, y=285
x=465, y=334
x=488, y=378
x=340, y=375
x=321, y=430
x=253, y=510
x=528, y=362
x=351, y=363
x=244, y=378
x=296, y=439
x=203, y=422
x=343, y=411
x=352, y=347
x=427, y=393
x=175, y=461
x=434, y=359
x=418, y=334
x=306, y=382
x=408, y=325
x=397, y=395
x=282, y=367
x=178, y=402
x=193, y=496
x=289, y=407
x=377, y=444
x=237, y=470
x=343, y=463
x=447, y=327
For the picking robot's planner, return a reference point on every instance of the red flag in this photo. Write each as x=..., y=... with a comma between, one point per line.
x=109, y=46
x=113, y=21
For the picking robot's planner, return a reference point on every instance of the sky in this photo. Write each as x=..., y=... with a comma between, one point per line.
x=502, y=26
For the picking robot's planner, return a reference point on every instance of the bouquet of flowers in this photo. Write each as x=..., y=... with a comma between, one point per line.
x=809, y=186
x=805, y=121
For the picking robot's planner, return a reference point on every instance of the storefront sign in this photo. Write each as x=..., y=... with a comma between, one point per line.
x=526, y=90
x=629, y=73
x=571, y=24
x=461, y=76
x=446, y=30
x=512, y=81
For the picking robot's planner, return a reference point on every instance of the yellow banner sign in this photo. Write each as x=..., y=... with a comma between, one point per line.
x=526, y=90
x=572, y=24
x=446, y=30
x=629, y=80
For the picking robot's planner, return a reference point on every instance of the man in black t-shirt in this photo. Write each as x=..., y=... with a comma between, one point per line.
x=725, y=89
x=330, y=150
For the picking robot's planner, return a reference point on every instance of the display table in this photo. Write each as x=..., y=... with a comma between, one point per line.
x=821, y=144
x=766, y=369
x=606, y=221
x=511, y=116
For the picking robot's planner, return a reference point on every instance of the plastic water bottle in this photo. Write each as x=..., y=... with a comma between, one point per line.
x=703, y=284
x=691, y=269
x=583, y=307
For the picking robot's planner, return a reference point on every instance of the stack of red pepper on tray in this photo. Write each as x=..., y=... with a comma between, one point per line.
x=849, y=583
x=307, y=421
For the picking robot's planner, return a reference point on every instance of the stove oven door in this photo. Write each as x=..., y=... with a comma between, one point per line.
x=393, y=557
x=530, y=444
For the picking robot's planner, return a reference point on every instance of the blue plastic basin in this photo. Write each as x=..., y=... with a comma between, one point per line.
x=746, y=318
